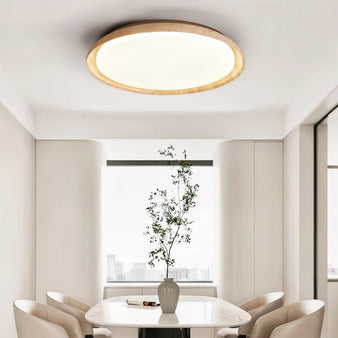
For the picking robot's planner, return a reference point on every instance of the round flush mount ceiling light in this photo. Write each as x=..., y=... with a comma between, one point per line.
x=165, y=57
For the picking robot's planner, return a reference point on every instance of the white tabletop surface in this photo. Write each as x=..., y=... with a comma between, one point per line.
x=191, y=311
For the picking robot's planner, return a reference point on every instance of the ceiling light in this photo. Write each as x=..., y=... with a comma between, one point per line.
x=165, y=57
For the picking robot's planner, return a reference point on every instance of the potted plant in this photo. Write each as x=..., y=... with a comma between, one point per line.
x=170, y=225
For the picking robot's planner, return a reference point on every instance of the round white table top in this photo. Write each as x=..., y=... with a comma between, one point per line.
x=191, y=311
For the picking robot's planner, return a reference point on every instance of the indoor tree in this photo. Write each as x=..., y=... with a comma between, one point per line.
x=169, y=210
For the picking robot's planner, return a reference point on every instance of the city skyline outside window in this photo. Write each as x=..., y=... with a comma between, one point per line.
x=125, y=197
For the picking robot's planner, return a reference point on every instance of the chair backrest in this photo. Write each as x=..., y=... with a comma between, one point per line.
x=35, y=320
x=73, y=307
x=258, y=307
x=298, y=320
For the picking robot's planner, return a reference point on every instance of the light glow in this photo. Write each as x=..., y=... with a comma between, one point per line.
x=165, y=60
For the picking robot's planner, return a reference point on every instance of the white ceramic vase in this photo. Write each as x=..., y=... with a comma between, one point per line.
x=168, y=293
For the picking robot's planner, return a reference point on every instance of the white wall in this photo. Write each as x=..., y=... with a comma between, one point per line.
x=15, y=103
x=250, y=219
x=75, y=125
x=298, y=268
x=197, y=149
x=68, y=219
x=17, y=214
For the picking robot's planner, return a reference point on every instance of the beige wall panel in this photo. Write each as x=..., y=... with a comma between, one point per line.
x=332, y=309
x=121, y=291
x=114, y=291
x=298, y=229
x=17, y=214
x=235, y=271
x=68, y=219
x=306, y=206
x=268, y=217
x=291, y=268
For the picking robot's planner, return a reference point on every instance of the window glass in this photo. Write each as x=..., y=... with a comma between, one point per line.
x=332, y=194
x=125, y=198
x=332, y=222
x=332, y=139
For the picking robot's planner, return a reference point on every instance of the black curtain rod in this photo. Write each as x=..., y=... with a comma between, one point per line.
x=196, y=163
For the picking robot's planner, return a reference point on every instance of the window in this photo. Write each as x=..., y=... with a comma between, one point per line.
x=332, y=194
x=332, y=222
x=126, y=189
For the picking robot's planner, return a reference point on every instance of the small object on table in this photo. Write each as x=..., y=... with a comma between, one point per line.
x=141, y=302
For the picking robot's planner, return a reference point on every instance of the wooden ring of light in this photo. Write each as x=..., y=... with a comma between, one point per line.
x=165, y=26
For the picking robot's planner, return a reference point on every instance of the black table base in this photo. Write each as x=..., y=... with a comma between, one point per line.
x=163, y=333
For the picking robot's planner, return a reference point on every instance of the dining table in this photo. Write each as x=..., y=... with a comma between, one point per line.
x=191, y=312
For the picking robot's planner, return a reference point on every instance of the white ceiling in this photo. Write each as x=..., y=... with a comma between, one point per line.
x=288, y=45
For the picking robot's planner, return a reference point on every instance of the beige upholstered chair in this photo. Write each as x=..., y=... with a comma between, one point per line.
x=78, y=310
x=35, y=320
x=299, y=320
x=257, y=307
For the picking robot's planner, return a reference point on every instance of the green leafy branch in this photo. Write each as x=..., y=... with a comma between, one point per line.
x=168, y=212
